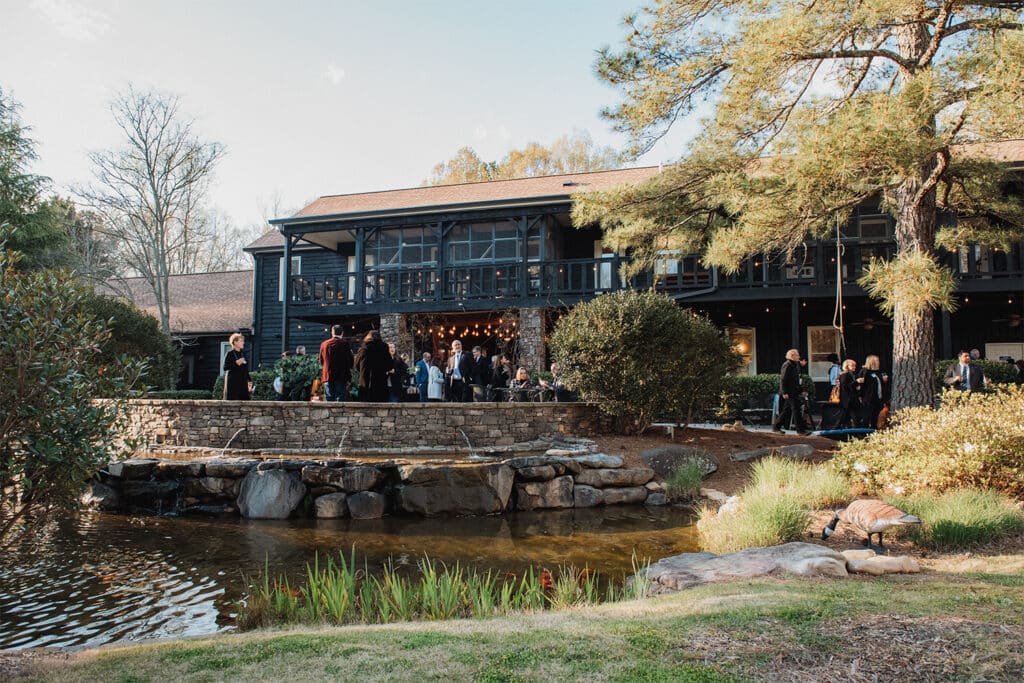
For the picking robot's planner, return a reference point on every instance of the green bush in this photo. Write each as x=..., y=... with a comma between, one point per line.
x=685, y=482
x=297, y=374
x=753, y=391
x=263, y=386
x=53, y=437
x=137, y=334
x=180, y=395
x=996, y=372
x=641, y=357
x=971, y=440
x=960, y=519
x=775, y=507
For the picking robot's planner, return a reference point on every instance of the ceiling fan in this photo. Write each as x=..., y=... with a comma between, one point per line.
x=1012, y=320
x=870, y=323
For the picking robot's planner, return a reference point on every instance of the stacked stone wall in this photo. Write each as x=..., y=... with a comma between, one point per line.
x=354, y=426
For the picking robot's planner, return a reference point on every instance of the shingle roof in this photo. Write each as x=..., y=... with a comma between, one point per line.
x=201, y=303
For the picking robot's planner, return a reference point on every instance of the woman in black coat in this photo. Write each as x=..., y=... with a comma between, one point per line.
x=237, y=386
x=849, y=394
x=373, y=363
x=872, y=392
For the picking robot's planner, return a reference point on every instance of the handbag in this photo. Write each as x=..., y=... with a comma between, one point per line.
x=834, y=396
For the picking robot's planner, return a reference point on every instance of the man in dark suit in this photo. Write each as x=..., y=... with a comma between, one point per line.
x=460, y=373
x=964, y=374
x=480, y=374
x=336, y=365
x=789, y=394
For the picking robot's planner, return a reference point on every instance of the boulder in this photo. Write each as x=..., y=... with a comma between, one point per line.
x=282, y=464
x=218, y=487
x=136, y=468
x=542, y=473
x=631, y=494
x=599, y=460
x=236, y=467
x=175, y=469
x=566, y=466
x=666, y=460
x=714, y=494
x=100, y=496
x=694, y=569
x=270, y=494
x=477, y=489
x=331, y=506
x=656, y=499
x=796, y=451
x=861, y=562
x=366, y=505
x=528, y=461
x=626, y=476
x=586, y=496
x=536, y=495
x=351, y=479
x=744, y=456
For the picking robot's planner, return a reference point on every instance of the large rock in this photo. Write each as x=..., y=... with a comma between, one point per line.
x=100, y=496
x=236, y=467
x=587, y=496
x=366, y=505
x=216, y=487
x=694, y=569
x=667, y=460
x=631, y=494
x=865, y=561
x=599, y=460
x=744, y=456
x=136, y=468
x=794, y=451
x=270, y=494
x=331, y=506
x=536, y=495
x=174, y=469
x=351, y=479
x=541, y=473
x=656, y=499
x=626, y=476
x=477, y=489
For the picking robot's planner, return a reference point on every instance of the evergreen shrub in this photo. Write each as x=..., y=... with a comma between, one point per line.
x=641, y=357
x=971, y=440
x=263, y=386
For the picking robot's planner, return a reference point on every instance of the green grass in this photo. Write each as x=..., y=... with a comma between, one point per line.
x=754, y=630
x=960, y=519
x=685, y=482
x=812, y=486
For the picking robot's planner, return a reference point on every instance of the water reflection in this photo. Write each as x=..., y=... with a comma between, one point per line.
x=98, y=578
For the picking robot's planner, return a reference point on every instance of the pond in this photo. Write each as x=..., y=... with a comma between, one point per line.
x=99, y=578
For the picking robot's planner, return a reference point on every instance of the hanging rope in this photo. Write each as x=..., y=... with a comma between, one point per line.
x=837, y=316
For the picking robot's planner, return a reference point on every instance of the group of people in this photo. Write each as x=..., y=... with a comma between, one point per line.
x=861, y=392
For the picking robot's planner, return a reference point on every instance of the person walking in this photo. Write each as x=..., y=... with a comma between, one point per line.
x=336, y=365
x=871, y=392
x=373, y=363
x=423, y=376
x=237, y=385
x=791, y=408
x=965, y=375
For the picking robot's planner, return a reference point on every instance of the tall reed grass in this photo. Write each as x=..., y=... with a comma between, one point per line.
x=337, y=591
x=960, y=519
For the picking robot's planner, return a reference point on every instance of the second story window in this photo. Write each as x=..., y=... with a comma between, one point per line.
x=398, y=247
x=869, y=223
x=491, y=241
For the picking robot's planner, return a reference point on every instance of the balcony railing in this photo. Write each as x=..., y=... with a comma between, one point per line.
x=581, y=278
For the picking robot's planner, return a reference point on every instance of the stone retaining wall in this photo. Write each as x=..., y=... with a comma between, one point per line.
x=360, y=426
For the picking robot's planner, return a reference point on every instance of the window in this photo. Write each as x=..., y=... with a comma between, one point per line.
x=744, y=342
x=398, y=247
x=821, y=341
x=296, y=270
x=492, y=241
x=870, y=222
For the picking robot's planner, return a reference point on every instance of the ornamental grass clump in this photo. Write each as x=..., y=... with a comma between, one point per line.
x=971, y=440
x=960, y=519
x=684, y=484
x=774, y=508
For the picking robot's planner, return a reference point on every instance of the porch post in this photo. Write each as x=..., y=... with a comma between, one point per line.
x=794, y=321
x=360, y=292
x=947, y=335
x=286, y=288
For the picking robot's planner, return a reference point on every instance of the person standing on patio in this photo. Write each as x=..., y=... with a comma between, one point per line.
x=460, y=370
x=423, y=376
x=480, y=376
x=373, y=363
x=789, y=394
x=336, y=365
x=237, y=386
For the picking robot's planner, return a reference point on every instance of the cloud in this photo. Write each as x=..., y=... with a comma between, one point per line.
x=73, y=20
x=480, y=132
x=335, y=74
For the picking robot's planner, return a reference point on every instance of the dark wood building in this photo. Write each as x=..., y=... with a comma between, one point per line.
x=496, y=263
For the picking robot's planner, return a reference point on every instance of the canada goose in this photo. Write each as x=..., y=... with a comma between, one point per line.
x=871, y=517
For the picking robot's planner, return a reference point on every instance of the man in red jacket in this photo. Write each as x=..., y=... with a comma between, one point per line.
x=336, y=364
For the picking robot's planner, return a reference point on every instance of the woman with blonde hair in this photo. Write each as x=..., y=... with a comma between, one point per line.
x=237, y=386
x=849, y=393
x=521, y=386
x=871, y=392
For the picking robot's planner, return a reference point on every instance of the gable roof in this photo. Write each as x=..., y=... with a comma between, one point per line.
x=201, y=303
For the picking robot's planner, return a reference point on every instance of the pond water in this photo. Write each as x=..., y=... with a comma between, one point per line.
x=99, y=578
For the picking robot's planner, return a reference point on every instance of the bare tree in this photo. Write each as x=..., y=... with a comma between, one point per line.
x=151, y=189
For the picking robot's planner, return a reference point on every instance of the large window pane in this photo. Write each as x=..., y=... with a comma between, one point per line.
x=504, y=229
x=505, y=249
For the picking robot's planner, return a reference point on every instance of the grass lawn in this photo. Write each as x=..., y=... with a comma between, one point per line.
x=939, y=625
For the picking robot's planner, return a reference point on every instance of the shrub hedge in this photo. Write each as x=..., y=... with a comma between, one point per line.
x=970, y=440
x=753, y=391
x=997, y=372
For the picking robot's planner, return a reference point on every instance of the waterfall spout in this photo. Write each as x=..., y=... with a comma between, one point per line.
x=230, y=440
x=341, y=444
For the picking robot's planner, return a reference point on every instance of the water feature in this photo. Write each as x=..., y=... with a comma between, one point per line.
x=99, y=578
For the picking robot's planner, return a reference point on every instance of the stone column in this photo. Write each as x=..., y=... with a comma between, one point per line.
x=532, y=354
x=393, y=329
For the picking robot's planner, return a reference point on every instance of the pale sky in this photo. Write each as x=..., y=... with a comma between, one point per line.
x=315, y=97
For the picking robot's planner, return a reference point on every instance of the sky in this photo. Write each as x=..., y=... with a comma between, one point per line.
x=315, y=97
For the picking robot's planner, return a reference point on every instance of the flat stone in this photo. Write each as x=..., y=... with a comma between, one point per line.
x=858, y=553
x=695, y=569
x=714, y=494
x=478, y=489
x=631, y=494
x=287, y=465
x=351, y=479
x=656, y=499
x=563, y=452
x=599, y=460
x=542, y=473
x=366, y=505
x=655, y=486
x=565, y=465
x=587, y=496
x=270, y=494
x=229, y=468
x=797, y=451
x=179, y=468
x=331, y=506
x=135, y=468
x=100, y=496
x=528, y=461
x=626, y=476
x=667, y=460
x=883, y=564
x=538, y=495
x=744, y=456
